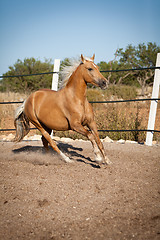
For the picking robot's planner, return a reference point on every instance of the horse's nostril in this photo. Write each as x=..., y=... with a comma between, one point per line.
x=102, y=84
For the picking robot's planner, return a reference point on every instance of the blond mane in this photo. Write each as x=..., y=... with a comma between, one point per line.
x=67, y=71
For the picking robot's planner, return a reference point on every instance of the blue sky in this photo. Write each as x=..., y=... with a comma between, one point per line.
x=60, y=29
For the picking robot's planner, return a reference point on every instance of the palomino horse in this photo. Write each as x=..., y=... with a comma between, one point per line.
x=66, y=109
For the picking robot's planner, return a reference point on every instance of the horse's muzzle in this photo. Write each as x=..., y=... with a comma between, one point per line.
x=103, y=84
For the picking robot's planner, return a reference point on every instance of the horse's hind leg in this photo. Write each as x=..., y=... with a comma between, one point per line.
x=45, y=142
x=47, y=139
x=53, y=145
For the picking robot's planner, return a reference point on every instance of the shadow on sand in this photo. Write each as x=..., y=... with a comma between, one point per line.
x=70, y=150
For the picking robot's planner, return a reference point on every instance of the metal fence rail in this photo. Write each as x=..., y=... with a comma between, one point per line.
x=102, y=71
x=102, y=130
x=114, y=101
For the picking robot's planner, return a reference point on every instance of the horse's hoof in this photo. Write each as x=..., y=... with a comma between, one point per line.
x=65, y=158
x=98, y=159
x=68, y=160
x=107, y=161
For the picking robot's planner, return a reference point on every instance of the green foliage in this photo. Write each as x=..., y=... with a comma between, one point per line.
x=112, y=65
x=139, y=57
x=28, y=83
x=132, y=57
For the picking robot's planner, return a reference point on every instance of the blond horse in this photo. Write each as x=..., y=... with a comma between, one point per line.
x=66, y=109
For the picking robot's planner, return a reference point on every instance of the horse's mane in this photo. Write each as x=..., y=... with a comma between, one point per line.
x=67, y=71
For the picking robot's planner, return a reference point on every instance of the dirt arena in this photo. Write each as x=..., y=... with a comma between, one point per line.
x=43, y=198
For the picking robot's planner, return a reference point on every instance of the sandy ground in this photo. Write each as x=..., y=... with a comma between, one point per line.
x=43, y=198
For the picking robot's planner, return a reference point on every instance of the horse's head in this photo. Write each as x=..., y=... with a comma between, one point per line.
x=91, y=73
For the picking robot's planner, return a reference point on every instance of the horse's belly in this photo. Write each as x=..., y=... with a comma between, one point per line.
x=57, y=125
x=55, y=121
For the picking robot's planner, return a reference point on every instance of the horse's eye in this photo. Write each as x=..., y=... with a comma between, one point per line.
x=90, y=69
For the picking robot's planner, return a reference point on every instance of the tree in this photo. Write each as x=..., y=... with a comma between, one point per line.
x=139, y=57
x=144, y=55
x=28, y=83
x=111, y=65
x=114, y=77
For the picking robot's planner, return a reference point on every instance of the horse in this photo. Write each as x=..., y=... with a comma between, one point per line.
x=65, y=109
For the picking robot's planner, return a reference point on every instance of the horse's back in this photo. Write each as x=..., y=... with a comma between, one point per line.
x=41, y=96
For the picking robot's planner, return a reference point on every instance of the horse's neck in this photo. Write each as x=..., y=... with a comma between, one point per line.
x=77, y=86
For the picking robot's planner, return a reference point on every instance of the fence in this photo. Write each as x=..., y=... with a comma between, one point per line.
x=154, y=100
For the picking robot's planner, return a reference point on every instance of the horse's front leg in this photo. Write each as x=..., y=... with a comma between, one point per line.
x=97, y=144
x=76, y=126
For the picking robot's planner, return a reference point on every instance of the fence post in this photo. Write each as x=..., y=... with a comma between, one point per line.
x=55, y=78
x=153, y=106
x=55, y=75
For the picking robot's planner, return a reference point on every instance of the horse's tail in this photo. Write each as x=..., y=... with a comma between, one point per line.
x=21, y=123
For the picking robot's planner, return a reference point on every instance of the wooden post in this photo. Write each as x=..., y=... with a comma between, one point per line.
x=55, y=75
x=153, y=106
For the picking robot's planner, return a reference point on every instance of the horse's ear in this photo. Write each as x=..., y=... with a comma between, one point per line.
x=82, y=58
x=92, y=58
